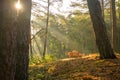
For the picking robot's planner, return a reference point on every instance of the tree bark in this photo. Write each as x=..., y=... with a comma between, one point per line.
x=102, y=8
x=14, y=40
x=113, y=24
x=23, y=41
x=102, y=41
x=7, y=40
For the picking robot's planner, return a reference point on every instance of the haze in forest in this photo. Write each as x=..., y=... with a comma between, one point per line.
x=60, y=40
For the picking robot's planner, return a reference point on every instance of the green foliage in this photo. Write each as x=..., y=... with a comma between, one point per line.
x=49, y=58
x=35, y=59
x=37, y=68
x=74, y=32
x=36, y=72
x=39, y=76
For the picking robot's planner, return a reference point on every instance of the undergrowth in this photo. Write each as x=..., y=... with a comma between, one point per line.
x=36, y=59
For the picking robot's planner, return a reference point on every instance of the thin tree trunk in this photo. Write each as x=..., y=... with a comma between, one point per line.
x=102, y=41
x=113, y=23
x=37, y=45
x=102, y=6
x=46, y=33
x=119, y=14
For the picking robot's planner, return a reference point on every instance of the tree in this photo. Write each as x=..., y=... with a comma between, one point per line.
x=7, y=40
x=118, y=27
x=46, y=33
x=102, y=7
x=113, y=23
x=23, y=41
x=102, y=41
x=14, y=40
x=118, y=9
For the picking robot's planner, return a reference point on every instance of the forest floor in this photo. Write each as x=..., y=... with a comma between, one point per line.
x=83, y=68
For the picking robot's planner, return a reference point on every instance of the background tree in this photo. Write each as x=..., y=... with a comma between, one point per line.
x=102, y=41
x=102, y=7
x=118, y=25
x=118, y=8
x=63, y=27
x=46, y=30
x=113, y=23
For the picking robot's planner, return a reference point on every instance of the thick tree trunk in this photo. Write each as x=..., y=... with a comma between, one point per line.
x=14, y=40
x=23, y=40
x=7, y=40
x=102, y=41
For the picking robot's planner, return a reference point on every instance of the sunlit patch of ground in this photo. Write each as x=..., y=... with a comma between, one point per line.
x=67, y=59
x=90, y=56
x=88, y=67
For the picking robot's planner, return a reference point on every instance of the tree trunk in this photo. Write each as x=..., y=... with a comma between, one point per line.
x=14, y=36
x=102, y=41
x=7, y=40
x=113, y=24
x=102, y=8
x=23, y=40
x=119, y=15
x=46, y=33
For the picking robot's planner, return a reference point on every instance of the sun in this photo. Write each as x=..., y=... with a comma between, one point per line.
x=18, y=5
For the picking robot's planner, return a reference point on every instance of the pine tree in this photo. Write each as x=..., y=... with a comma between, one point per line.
x=102, y=41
